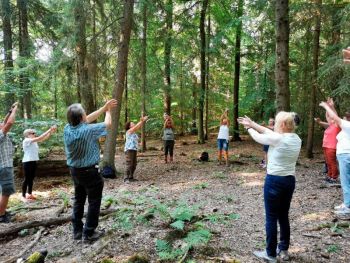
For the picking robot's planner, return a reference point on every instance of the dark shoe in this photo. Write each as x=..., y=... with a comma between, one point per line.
x=5, y=218
x=126, y=180
x=331, y=180
x=133, y=180
x=95, y=236
x=78, y=235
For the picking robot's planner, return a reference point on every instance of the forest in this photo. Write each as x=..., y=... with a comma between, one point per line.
x=246, y=57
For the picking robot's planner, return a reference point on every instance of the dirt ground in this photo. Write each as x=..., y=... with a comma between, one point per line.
x=210, y=188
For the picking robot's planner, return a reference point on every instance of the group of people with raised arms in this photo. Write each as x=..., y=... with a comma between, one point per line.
x=81, y=142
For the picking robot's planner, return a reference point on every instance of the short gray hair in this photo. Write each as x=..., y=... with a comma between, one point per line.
x=75, y=114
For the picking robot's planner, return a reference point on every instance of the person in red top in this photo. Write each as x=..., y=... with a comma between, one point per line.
x=330, y=144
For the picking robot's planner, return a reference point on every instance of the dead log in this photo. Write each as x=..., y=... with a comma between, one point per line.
x=47, y=168
x=30, y=246
x=54, y=221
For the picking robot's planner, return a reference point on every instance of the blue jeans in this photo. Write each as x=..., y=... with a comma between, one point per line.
x=222, y=144
x=344, y=169
x=278, y=192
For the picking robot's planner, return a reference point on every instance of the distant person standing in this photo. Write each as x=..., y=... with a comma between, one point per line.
x=131, y=147
x=343, y=156
x=83, y=155
x=169, y=139
x=7, y=185
x=30, y=158
x=329, y=144
x=223, y=138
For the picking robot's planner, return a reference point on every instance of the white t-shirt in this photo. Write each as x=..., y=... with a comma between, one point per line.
x=31, y=150
x=283, y=151
x=224, y=132
x=343, y=137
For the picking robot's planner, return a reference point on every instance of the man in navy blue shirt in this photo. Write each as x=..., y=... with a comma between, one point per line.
x=83, y=155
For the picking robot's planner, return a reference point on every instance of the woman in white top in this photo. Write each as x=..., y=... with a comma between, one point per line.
x=343, y=156
x=223, y=137
x=284, y=148
x=31, y=156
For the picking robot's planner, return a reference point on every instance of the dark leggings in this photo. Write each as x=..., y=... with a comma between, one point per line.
x=29, y=174
x=169, y=147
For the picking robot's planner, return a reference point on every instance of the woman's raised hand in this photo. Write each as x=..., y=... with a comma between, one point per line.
x=245, y=121
x=110, y=104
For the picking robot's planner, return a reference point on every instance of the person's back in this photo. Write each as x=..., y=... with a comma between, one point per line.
x=283, y=156
x=81, y=144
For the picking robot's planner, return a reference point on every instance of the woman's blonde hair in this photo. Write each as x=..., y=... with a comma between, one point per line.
x=288, y=119
x=27, y=132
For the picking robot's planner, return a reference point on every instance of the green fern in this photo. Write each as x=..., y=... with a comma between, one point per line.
x=179, y=225
x=123, y=219
x=198, y=237
x=183, y=212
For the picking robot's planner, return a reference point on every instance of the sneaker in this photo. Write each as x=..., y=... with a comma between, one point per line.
x=95, y=236
x=282, y=255
x=340, y=207
x=126, y=180
x=331, y=180
x=5, y=218
x=133, y=180
x=263, y=255
x=345, y=211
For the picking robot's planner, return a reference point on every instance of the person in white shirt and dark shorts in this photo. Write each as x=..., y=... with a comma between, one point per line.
x=31, y=156
x=223, y=138
x=284, y=149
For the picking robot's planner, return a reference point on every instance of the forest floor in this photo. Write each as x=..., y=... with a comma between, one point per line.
x=225, y=203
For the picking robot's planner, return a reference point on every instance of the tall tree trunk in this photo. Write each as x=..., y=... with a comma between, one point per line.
x=167, y=55
x=194, y=130
x=182, y=128
x=6, y=14
x=206, y=130
x=282, y=56
x=126, y=95
x=203, y=73
x=94, y=54
x=24, y=52
x=86, y=93
x=316, y=52
x=144, y=73
x=237, y=73
x=122, y=62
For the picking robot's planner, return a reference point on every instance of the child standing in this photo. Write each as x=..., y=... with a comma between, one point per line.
x=169, y=139
x=223, y=138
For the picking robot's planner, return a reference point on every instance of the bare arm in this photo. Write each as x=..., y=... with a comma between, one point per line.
x=45, y=135
x=322, y=123
x=94, y=115
x=10, y=120
x=138, y=125
x=248, y=123
x=331, y=105
x=333, y=115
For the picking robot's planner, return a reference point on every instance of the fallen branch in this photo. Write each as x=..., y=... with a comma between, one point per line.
x=184, y=257
x=312, y=236
x=100, y=246
x=45, y=223
x=31, y=208
x=223, y=259
x=30, y=246
x=328, y=225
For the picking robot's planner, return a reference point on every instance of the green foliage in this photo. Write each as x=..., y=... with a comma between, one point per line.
x=123, y=219
x=333, y=248
x=179, y=225
x=201, y=186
